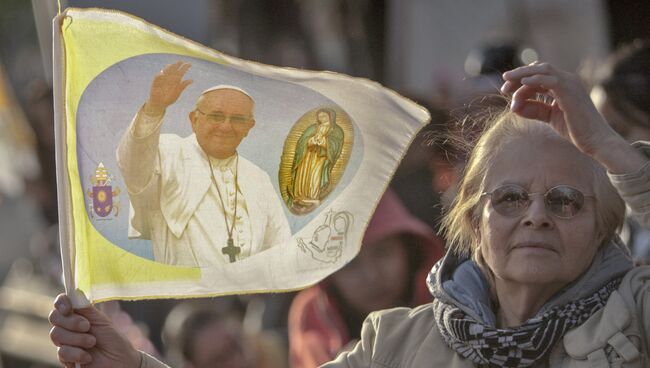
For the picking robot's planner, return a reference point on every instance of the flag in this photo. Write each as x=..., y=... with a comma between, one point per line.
x=185, y=172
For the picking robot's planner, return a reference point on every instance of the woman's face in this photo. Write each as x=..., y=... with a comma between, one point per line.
x=377, y=277
x=323, y=117
x=537, y=248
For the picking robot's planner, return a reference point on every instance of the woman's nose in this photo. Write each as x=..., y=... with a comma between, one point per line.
x=536, y=215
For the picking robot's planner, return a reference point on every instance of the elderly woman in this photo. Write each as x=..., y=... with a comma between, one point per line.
x=535, y=276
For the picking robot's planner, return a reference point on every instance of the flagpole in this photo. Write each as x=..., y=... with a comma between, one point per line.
x=66, y=237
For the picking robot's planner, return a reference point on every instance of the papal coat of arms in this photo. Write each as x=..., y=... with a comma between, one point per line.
x=102, y=194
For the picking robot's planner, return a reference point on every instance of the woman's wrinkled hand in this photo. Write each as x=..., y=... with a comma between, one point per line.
x=570, y=111
x=86, y=336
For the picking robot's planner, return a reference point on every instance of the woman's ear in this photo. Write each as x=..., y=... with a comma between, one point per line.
x=476, y=246
x=476, y=222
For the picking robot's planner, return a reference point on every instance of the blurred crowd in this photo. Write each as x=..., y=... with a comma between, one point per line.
x=300, y=329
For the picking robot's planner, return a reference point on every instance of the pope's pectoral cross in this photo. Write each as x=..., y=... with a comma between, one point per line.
x=231, y=250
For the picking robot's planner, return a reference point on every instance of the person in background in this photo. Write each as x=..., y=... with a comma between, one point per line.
x=209, y=333
x=389, y=271
x=622, y=95
x=412, y=179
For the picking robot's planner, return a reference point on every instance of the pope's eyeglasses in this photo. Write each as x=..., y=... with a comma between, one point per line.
x=220, y=118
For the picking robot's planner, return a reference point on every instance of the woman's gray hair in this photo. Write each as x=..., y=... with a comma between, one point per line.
x=460, y=224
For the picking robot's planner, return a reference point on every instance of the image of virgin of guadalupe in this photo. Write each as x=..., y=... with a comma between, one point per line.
x=316, y=152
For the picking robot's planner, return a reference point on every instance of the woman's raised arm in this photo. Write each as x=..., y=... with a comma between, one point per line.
x=571, y=113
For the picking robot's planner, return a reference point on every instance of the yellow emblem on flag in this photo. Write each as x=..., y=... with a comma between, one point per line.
x=314, y=157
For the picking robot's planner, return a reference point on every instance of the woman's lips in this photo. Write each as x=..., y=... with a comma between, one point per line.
x=541, y=246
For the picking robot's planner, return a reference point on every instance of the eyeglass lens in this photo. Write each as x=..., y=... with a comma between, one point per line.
x=512, y=200
x=219, y=118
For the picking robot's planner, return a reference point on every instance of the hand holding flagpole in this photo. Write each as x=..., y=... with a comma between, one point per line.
x=87, y=336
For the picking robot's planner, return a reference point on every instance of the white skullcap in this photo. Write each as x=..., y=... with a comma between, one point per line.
x=226, y=86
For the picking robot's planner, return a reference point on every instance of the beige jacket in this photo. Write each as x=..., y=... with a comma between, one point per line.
x=409, y=338
x=403, y=337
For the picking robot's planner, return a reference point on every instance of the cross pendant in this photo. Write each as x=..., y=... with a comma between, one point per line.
x=231, y=250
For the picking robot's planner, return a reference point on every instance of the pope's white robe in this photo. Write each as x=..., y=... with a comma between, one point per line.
x=174, y=201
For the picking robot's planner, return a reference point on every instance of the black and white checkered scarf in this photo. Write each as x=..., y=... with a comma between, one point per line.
x=522, y=346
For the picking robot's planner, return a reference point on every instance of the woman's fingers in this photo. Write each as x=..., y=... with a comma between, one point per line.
x=509, y=87
x=62, y=317
x=63, y=304
x=538, y=74
x=69, y=333
x=571, y=114
x=542, y=81
x=70, y=355
x=72, y=322
x=523, y=95
x=62, y=337
x=529, y=70
x=536, y=110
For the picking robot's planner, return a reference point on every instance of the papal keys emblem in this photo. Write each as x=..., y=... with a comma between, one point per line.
x=102, y=194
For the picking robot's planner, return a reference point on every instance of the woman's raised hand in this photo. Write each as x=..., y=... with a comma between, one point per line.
x=570, y=112
x=86, y=336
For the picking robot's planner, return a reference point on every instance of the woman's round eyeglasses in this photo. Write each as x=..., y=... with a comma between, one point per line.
x=562, y=201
